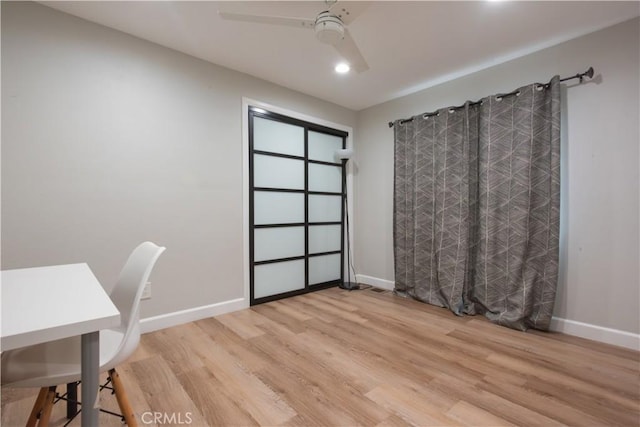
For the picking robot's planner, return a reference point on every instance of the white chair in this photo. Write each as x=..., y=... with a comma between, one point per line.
x=54, y=363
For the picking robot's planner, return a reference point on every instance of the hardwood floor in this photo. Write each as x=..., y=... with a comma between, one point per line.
x=338, y=358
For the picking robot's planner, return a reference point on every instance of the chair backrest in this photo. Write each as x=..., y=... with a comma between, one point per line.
x=126, y=296
x=128, y=290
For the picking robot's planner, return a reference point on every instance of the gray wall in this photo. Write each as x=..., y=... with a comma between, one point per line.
x=109, y=140
x=599, y=281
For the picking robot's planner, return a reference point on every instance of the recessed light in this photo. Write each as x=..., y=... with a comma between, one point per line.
x=342, y=68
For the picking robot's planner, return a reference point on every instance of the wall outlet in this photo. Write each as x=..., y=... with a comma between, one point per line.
x=146, y=292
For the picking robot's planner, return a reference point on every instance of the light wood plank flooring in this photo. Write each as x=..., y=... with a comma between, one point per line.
x=338, y=358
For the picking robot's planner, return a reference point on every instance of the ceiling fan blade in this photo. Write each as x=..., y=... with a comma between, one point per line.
x=350, y=52
x=273, y=20
x=348, y=11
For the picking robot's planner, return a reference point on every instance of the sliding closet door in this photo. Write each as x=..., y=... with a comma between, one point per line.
x=326, y=180
x=296, y=213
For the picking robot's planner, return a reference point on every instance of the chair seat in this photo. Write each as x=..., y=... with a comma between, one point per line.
x=55, y=362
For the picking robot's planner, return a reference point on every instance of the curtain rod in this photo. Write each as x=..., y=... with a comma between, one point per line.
x=580, y=76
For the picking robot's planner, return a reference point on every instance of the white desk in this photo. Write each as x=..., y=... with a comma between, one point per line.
x=49, y=303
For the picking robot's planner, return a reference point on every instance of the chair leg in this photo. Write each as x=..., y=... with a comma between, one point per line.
x=48, y=406
x=37, y=407
x=123, y=400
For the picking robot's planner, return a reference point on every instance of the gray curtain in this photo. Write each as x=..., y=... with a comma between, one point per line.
x=476, y=207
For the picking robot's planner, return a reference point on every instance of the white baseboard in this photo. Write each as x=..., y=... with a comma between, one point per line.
x=375, y=282
x=176, y=318
x=566, y=326
x=596, y=333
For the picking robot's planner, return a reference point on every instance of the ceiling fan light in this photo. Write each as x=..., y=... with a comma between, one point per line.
x=342, y=68
x=329, y=28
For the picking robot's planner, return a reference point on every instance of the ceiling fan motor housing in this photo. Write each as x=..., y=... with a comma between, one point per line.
x=329, y=28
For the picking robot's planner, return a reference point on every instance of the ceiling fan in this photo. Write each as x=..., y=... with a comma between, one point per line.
x=330, y=27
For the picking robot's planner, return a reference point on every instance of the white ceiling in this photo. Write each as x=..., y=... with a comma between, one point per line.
x=409, y=45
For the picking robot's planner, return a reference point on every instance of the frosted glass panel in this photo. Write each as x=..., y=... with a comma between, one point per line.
x=278, y=172
x=325, y=178
x=281, y=242
x=323, y=147
x=278, y=137
x=325, y=208
x=324, y=238
x=324, y=268
x=277, y=208
x=277, y=278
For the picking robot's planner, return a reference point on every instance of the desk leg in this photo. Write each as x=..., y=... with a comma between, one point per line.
x=90, y=368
